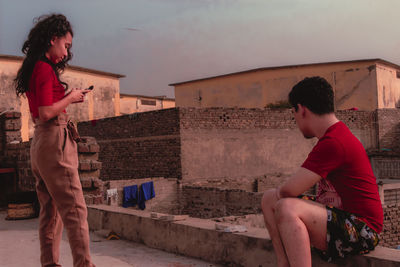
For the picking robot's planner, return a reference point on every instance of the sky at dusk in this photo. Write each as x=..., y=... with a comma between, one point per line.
x=159, y=42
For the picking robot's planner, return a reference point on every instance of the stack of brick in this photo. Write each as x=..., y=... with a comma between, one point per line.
x=16, y=154
x=10, y=137
x=26, y=181
x=89, y=170
x=391, y=228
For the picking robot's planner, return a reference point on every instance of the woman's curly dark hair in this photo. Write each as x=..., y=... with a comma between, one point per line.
x=38, y=43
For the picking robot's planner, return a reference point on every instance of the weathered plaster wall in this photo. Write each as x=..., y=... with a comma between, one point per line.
x=8, y=98
x=131, y=103
x=102, y=102
x=388, y=87
x=355, y=87
x=354, y=84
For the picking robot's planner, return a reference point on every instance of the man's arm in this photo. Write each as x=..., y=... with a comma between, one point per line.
x=298, y=183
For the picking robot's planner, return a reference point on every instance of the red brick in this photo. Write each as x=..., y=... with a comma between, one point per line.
x=95, y=165
x=94, y=148
x=86, y=182
x=97, y=183
x=83, y=148
x=84, y=166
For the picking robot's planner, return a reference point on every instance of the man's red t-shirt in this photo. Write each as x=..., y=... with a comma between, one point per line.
x=44, y=88
x=341, y=158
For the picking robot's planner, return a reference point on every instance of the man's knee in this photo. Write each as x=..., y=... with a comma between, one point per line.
x=285, y=208
x=267, y=201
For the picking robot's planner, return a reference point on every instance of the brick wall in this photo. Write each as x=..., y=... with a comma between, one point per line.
x=243, y=118
x=391, y=196
x=209, y=202
x=236, y=118
x=389, y=129
x=170, y=143
x=139, y=145
x=391, y=226
x=166, y=191
x=154, y=123
x=235, y=143
x=386, y=167
x=391, y=215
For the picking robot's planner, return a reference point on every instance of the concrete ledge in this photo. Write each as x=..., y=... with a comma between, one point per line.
x=198, y=238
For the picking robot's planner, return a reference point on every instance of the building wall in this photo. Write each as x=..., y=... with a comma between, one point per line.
x=167, y=103
x=102, y=102
x=388, y=87
x=252, y=142
x=133, y=104
x=354, y=84
x=210, y=144
x=8, y=98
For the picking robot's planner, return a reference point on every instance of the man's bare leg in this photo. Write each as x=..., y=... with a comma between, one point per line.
x=301, y=222
x=268, y=203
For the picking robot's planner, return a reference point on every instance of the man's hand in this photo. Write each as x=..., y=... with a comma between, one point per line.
x=298, y=183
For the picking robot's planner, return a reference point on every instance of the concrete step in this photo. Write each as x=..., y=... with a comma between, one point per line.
x=199, y=238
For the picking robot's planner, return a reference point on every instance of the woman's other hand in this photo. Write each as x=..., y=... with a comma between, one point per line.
x=77, y=95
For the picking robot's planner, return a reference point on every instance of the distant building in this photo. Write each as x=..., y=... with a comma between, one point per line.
x=139, y=103
x=366, y=84
x=102, y=102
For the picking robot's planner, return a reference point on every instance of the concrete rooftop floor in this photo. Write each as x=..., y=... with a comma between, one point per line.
x=19, y=246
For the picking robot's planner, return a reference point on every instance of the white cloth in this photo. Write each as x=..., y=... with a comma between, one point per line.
x=112, y=196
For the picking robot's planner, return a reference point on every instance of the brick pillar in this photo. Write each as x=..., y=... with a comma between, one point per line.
x=10, y=136
x=89, y=170
x=26, y=180
x=391, y=228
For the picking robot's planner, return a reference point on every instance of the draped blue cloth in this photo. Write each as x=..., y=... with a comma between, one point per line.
x=130, y=196
x=146, y=192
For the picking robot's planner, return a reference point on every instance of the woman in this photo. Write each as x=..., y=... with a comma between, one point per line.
x=54, y=156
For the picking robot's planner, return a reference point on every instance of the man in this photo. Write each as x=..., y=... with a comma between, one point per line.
x=339, y=164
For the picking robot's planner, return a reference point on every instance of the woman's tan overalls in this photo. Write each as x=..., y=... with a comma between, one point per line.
x=54, y=161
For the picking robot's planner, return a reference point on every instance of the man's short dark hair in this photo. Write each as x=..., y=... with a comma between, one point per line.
x=315, y=93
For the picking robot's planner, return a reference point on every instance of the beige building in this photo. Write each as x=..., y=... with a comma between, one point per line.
x=365, y=84
x=102, y=102
x=139, y=103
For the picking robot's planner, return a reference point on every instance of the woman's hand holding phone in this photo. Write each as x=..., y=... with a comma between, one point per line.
x=78, y=95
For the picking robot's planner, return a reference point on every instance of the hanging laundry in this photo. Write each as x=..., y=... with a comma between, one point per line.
x=130, y=196
x=112, y=197
x=146, y=192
